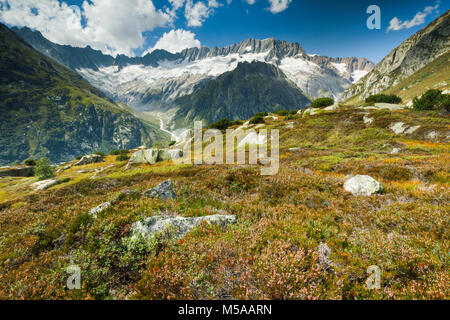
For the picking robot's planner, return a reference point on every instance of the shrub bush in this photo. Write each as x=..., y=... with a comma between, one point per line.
x=383, y=98
x=117, y=152
x=282, y=113
x=171, y=143
x=122, y=157
x=30, y=162
x=261, y=114
x=44, y=169
x=222, y=124
x=322, y=102
x=433, y=99
x=257, y=119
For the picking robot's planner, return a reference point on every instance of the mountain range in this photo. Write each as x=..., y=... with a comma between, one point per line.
x=159, y=79
x=61, y=101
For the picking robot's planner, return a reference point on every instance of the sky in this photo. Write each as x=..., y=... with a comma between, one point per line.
x=136, y=27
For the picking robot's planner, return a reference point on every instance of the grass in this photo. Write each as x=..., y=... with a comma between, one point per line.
x=271, y=252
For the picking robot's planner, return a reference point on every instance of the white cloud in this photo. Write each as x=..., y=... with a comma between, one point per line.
x=197, y=13
x=250, y=2
x=277, y=6
x=111, y=26
x=175, y=41
x=396, y=24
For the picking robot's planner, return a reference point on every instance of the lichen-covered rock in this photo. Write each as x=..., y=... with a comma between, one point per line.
x=149, y=156
x=175, y=227
x=152, y=156
x=169, y=154
x=91, y=158
x=363, y=185
x=164, y=191
x=324, y=259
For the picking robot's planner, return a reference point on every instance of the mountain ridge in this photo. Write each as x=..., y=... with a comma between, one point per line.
x=239, y=94
x=410, y=56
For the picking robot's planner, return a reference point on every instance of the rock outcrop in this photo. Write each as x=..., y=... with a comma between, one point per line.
x=27, y=171
x=176, y=227
x=164, y=191
x=44, y=184
x=152, y=156
x=91, y=158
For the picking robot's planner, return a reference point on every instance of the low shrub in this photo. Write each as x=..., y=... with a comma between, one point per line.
x=261, y=114
x=433, y=99
x=122, y=157
x=30, y=162
x=322, y=102
x=118, y=152
x=383, y=98
x=222, y=124
x=282, y=113
x=257, y=119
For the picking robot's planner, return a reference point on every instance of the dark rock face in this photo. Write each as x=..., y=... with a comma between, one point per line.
x=239, y=94
x=17, y=172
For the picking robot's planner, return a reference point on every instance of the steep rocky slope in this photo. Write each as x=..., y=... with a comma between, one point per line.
x=48, y=110
x=412, y=55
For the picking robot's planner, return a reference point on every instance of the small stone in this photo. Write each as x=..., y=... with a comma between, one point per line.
x=98, y=209
x=324, y=260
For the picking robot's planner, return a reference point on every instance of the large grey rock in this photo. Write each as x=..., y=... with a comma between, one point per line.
x=175, y=227
x=91, y=158
x=149, y=156
x=164, y=190
x=363, y=185
x=169, y=154
x=152, y=156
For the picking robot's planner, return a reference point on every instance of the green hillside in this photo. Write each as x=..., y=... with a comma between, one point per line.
x=48, y=110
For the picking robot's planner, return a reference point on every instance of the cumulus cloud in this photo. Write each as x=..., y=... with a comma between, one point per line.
x=277, y=6
x=197, y=13
x=396, y=24
x=175, y=41
x=111, y=26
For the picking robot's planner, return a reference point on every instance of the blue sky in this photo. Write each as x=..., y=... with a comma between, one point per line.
x=332, y=28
